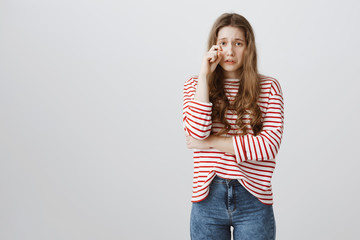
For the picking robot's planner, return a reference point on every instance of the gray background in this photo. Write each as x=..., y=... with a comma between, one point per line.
x=91, y=140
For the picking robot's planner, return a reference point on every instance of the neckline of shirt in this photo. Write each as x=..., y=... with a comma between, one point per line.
x=231, y=80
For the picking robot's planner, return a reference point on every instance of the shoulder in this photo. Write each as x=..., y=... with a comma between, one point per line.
x=272, y=83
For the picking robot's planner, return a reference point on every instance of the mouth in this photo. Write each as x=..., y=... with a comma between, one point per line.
x=230, y=62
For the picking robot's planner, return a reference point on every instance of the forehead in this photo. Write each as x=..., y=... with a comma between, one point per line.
x=231, y=33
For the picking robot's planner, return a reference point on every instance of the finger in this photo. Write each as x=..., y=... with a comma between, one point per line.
x=218, y=58
x=212, y=53
x=210, y=56
x=214, y=47
x=213, y=56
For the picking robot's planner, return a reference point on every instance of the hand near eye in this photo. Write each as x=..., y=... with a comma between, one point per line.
x=210, y=60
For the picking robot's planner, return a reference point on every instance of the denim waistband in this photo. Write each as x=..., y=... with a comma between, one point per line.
x=218, y=179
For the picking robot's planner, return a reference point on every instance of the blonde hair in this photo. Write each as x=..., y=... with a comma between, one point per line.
x=246, y=99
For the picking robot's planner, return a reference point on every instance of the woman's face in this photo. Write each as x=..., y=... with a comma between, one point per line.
x=233, y=45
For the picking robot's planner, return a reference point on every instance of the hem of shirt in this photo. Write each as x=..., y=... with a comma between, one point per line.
x=239, y=179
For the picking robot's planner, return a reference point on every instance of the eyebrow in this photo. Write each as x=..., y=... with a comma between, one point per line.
x=238, y=39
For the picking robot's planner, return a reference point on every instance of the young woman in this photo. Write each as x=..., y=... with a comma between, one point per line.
x=233, y=119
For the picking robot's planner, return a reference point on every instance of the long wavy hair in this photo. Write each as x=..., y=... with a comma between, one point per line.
x=245, y=102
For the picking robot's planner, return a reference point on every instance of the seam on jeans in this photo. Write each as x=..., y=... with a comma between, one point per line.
x=273, y=227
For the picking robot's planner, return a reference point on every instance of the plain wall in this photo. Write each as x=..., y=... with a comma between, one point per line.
x=91, y=139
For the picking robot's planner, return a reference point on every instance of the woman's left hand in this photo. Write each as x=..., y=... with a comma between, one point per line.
x=192, y=143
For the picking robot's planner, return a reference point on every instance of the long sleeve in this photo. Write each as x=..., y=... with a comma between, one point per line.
x=196, y=115
x=266, y=144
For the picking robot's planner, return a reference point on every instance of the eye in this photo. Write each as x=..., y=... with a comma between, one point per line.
x=238, y=44
x=222, y=43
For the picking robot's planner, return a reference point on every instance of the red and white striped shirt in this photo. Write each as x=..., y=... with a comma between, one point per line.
x=254, y=160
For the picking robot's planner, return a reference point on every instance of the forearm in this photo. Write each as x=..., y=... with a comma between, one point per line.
x=196, y=114
x=202, y=90
x=224, y=144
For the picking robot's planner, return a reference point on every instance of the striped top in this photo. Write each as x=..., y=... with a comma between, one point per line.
x=254, y=160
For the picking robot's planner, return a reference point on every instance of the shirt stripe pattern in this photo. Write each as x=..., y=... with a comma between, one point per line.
x=254, y=161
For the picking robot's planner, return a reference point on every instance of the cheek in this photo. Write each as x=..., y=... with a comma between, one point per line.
x=242, y=51
x=242, y=55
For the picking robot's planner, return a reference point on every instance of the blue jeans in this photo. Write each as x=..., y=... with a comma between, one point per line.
x=230, y=204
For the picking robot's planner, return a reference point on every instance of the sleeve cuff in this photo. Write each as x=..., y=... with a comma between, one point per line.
x=239, y=149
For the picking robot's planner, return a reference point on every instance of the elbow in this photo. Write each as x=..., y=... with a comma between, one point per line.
x=199, y=135
x=273, y=150
x=276, y=150
x=255, y=149
x=197, y=131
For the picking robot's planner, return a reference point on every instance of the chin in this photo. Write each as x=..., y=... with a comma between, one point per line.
x=233, y=72
x=231, y=68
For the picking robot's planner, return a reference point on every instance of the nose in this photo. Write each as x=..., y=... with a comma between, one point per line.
x=230, y=50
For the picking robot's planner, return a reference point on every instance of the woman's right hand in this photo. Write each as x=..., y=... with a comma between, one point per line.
x=210, y=60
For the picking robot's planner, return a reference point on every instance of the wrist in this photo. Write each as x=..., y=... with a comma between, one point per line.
x=210, y=141
x=204, y=76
